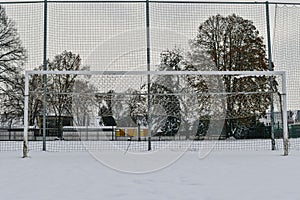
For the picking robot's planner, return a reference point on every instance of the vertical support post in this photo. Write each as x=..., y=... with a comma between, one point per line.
x=284, y=119
x=271, y=78
x=148, y=76
x=139, y=132
x=25, y=135
x=44, y=75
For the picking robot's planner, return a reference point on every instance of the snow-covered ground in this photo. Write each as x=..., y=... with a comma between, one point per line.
x=224, y=175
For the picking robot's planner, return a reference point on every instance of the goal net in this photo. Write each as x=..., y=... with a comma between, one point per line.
x=141, y=111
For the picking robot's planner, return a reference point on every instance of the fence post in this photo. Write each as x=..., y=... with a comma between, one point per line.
x=148, y=76
x=44, y=75
x=271, y=78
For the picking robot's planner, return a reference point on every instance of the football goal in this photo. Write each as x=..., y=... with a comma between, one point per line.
x=153, y=110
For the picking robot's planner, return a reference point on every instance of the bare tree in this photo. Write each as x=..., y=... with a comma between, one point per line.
x=35, y=103
x=12, y=58
x=60, y=87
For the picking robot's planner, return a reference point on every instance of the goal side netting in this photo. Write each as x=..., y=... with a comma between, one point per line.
x=141, y=110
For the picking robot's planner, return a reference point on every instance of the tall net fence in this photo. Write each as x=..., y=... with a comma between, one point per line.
x=107, y=36
x=134, y=36
x=176, y=25
x=21, y=47
x=286, y=57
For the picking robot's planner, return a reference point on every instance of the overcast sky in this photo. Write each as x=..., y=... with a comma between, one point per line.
x=113, y=37
x=107, y=34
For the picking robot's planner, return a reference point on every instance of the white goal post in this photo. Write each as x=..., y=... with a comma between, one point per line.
x=164, y=73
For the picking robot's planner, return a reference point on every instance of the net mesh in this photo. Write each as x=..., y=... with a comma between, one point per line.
x=107, y=36
x=286, y=51
x=98, y=113
x=176, y=24
x=113, y=36
x=23, y=31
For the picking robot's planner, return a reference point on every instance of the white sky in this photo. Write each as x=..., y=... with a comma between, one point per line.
x=112, y=36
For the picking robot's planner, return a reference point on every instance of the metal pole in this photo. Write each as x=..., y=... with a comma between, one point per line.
x=284, y=120
x=139, y=132
x=25, y=136
x=44, y=75
x=148, y=77
x=271, y=78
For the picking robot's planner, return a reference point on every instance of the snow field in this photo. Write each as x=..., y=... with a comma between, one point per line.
x=224, y=175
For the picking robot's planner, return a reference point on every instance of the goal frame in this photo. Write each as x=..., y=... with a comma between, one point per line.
x=149, y=73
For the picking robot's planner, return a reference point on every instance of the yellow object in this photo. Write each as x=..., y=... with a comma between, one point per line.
x=120, y=133
x=131, y=132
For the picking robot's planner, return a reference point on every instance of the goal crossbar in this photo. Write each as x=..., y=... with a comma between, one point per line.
x=111, y=73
